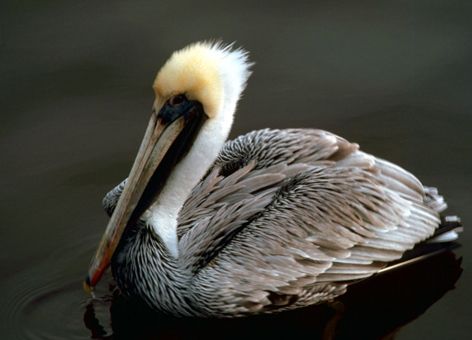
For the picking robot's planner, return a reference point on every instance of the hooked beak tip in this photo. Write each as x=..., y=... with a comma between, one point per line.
x=87, y=286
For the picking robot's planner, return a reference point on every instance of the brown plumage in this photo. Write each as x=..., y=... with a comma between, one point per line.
x=288, y=218
x=271, y=221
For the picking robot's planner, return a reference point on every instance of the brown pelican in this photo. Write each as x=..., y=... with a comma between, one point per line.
x=272, y=220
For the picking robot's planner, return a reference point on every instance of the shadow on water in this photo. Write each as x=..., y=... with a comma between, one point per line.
x=371, y=309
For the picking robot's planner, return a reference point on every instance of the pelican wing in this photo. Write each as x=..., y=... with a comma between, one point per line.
x=288, y=218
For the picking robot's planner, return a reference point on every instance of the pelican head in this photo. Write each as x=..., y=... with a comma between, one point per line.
x=196, y=92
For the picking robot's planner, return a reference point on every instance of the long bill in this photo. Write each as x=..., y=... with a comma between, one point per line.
x=163, y=144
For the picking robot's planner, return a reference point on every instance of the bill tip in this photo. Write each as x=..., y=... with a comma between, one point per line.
x=86, y=285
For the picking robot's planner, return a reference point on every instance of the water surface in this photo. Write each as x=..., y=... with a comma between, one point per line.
x=75, y=93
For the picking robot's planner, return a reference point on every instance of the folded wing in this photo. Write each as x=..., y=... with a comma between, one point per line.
x=289, y=217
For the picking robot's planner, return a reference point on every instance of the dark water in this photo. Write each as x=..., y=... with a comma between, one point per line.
x=75, y=97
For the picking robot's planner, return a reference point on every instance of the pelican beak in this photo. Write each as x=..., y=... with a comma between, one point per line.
x=168, y=136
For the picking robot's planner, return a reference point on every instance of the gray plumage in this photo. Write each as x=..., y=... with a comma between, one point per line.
x=283, y=219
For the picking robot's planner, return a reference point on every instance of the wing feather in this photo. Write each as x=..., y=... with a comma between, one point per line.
x=288, y=217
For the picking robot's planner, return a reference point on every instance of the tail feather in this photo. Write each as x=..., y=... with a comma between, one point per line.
x=448, y=230
x=450, y=226
x=443, y=239
x=434, y=200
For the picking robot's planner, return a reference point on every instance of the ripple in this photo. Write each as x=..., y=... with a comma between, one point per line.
x=47, y=301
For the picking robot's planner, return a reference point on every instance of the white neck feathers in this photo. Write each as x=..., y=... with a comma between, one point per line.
x=233, y=72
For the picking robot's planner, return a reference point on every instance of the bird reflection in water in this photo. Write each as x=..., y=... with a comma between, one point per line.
x=376, y=308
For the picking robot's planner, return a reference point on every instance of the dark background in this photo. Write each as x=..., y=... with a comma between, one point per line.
x=75, y=94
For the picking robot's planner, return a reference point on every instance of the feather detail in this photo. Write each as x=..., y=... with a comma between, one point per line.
x=288, y=218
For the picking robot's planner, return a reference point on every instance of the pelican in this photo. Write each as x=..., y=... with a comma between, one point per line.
x=271, y=221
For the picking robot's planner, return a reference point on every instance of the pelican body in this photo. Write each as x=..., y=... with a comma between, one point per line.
x=273, y=220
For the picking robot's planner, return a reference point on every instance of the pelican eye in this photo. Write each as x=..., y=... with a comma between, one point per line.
x=177, y=106
x=178, y=99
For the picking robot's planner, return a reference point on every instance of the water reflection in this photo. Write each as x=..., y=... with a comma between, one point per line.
x=371, y=309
